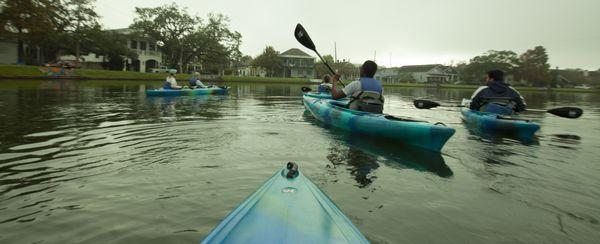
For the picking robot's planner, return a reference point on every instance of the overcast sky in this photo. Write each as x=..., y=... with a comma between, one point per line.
x=403, y=32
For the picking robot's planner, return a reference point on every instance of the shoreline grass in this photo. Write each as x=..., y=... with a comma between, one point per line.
x=8, y=72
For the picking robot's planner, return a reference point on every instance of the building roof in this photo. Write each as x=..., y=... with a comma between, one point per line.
x=295, y=52
x=418, y=68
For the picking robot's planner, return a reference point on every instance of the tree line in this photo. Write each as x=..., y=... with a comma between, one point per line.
x=51, y=28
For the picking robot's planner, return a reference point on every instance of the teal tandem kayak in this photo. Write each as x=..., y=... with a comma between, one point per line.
x=490, y=122
x=404, y=130
x=187, y=92
x=287, y=208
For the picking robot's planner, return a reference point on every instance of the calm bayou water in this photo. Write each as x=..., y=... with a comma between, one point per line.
x=98, y=162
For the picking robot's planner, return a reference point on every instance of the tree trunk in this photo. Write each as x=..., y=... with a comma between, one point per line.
x=20, y=48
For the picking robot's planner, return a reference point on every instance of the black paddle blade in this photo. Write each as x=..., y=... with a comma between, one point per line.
x=567, y=112
x=306, y=89
x=425, y=104
x=302, y=37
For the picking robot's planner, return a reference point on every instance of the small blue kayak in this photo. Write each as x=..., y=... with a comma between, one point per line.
x=491, y=122
x=318, y=95
x=287, y=208
x=407, y=131
x=187, y=92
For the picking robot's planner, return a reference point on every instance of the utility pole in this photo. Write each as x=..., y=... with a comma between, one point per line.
x=335, y=52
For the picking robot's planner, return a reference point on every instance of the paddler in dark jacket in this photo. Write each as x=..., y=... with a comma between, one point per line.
x=497, y=96
x=366, y=94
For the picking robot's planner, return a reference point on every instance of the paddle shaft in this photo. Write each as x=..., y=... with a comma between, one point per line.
x=329, y=67
x=463, y=106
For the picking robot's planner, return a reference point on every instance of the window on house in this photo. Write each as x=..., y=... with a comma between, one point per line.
x=142, y=45
x=133, y=44
x=152, y=47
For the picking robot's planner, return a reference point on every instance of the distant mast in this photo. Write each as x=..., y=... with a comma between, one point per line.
x=335, y=52
x=375, y=56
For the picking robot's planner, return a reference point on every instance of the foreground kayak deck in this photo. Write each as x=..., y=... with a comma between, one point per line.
x=187, y=92
x=490, y=122
x=405, y=130
x=286, y=210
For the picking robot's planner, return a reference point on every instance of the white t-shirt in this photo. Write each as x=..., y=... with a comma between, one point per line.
x=354, y=87
x=172, y=80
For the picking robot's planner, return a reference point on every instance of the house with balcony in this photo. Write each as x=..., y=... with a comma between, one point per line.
x=429, y=73
x=297, y=63
x=148, y=54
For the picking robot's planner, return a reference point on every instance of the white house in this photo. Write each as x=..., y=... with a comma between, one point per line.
x=429, y=73
x=8, y=52
x=297, y=63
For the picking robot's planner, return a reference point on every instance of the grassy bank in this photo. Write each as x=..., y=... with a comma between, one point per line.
x=473, y=87
x=253, y=79
x=35, y=72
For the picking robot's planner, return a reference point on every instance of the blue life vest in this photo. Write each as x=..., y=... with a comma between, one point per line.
x=497, y=109
x=324, y=89
x=167, y=85
x=193, y=81
x=371, y=84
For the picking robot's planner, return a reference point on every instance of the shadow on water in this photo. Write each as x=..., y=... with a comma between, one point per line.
x=499, y=137
x=205, y=106
x=363, y=154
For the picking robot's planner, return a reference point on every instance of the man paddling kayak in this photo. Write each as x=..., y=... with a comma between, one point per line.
x=195, y=81
x=497, y=96
x=366, y=94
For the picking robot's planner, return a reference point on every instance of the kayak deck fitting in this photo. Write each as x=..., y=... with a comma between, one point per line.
x=490, y=122
x=404, y=130
x=287, y=208
x=187, y=92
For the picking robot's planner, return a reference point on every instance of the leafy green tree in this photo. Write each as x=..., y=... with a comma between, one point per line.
x=475, y=70
x=187, y=38
x=270, y=61
x=51, y=26
x=346, y=69
x=534, y=66
x=83, y=20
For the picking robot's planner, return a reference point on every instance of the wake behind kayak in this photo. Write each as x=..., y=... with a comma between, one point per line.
x=287, y=208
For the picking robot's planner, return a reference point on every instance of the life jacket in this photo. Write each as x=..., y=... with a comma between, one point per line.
x=193, y=81
x=370, y=98
x=324, y=88
x=167, y=85
x=499, y=105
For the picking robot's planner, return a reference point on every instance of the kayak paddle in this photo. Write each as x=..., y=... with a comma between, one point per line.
x=304, y=39
x=306, y=89
x=565, y=112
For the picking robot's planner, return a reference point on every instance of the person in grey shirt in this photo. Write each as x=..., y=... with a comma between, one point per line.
x=366, y=93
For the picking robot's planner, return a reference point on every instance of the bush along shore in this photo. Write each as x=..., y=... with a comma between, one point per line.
x=15, y=72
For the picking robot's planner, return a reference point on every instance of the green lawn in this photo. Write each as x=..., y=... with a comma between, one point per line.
x=27, y=70
x=19, y=70
x=229, y=78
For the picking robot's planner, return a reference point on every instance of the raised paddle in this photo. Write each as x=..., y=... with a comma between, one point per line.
x=565, y=112
x=304, y=39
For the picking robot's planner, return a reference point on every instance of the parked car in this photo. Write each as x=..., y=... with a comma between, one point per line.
x=163, y=69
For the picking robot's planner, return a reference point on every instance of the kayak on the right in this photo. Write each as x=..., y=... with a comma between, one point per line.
x=492, y=122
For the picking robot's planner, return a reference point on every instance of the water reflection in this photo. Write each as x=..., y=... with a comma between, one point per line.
x=499, y=137
x=362, y=156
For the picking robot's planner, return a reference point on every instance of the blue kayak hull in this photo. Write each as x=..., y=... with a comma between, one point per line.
x=494, y=123
x=286, y=210
x=318, y=95
x=187, y=92
x=406, y=131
